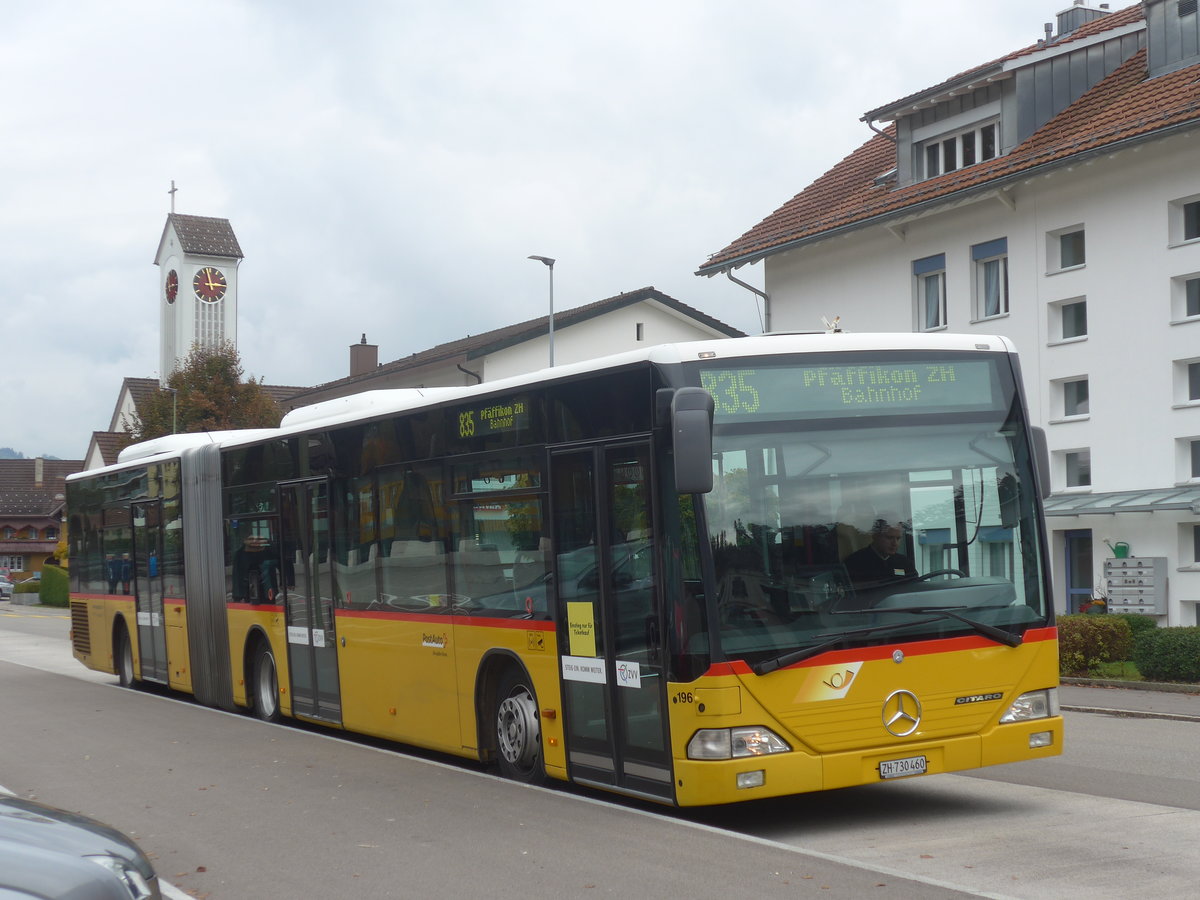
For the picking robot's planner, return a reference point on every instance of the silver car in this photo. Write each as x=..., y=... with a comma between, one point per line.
x=52, y=853
x=6, y=588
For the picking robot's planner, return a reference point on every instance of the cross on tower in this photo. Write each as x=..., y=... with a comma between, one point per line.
x=172, y=193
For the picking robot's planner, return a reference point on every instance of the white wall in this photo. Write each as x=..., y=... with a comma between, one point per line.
x=613, y=332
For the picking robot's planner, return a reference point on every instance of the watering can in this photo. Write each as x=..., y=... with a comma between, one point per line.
x=1120, y=549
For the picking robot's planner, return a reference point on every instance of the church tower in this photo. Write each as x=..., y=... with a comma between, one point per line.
x=198, y=259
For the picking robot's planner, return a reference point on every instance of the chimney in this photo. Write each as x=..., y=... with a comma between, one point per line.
x=364, y=357
x=39, y=471
x=1079, y=14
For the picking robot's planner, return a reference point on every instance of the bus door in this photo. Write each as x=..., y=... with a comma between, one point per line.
x=610, y=620
x=148, y=589
x=306, y=582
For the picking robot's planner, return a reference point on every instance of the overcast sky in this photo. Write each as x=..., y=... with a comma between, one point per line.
x=388, y=167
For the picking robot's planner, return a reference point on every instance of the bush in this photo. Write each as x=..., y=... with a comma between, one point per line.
x=55, y=587
x=1168, y=654
x=1086, y=641
x=1137, y=624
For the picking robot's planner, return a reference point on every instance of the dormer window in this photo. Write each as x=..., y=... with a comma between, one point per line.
x=948, y=153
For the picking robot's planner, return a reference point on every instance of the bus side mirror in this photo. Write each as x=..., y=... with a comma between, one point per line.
x=1041, y=459
x=691, y=432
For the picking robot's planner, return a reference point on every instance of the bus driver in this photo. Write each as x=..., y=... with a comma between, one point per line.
x=880, y=561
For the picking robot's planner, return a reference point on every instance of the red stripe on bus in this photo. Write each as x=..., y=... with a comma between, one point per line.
x=125, y=598
x=885, y=651
x=255, y=607
x=476, y=621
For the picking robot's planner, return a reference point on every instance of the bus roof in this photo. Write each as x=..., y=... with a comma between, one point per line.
x=378, y=403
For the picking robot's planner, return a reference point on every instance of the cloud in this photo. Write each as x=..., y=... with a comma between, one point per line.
x=388, y=167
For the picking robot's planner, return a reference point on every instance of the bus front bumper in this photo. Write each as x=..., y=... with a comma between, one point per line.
x=712, y=782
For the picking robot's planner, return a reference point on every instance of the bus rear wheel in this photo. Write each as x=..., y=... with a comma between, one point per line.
x=518, y=731
x=123, y=657
x=264, y=685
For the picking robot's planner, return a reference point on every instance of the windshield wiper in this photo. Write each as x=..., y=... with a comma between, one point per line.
x=996, y=634
x=841, y=640
x=935, y=612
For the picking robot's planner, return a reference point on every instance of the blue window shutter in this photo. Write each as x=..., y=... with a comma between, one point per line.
x=929, y=264
x=988, y=249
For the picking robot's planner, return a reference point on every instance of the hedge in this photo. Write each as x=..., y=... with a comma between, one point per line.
x=1137, y=624
x=1086, y=641
x=55, y=587
x=1168, y=654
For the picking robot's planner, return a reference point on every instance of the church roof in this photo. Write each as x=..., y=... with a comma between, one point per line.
x=205, y=236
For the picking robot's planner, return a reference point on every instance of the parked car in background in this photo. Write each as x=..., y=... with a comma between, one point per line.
x=6, y=588
x=52, y=853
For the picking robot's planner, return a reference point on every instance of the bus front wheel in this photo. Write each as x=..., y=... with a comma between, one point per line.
x=123, y=655
x=518, y=731
x=264, y=685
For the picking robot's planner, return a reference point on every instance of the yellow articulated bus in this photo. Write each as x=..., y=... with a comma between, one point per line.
x=698, y=574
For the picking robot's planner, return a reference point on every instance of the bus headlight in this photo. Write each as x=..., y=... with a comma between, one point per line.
x=1033, y=705
x=735, y=743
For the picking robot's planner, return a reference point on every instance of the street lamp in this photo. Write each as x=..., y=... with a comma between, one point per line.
x=549, y=263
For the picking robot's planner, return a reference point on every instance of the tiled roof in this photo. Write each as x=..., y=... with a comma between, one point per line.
x=22, y=497
x=205, y=236
x=281, y=393
x=110, y=443
x=141, y=388
x=475, y=346
x=1126, y=106
x=1119, y=19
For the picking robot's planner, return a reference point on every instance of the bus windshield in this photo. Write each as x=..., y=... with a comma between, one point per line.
x=881, y=502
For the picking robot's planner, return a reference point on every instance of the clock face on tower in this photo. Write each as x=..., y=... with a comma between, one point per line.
x=171, y=288
x=209, y=284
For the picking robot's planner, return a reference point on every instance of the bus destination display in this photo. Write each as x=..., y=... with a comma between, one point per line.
x=841, y=390
x=492, y=418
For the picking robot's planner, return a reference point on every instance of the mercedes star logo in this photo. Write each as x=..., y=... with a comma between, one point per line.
x=901, y=713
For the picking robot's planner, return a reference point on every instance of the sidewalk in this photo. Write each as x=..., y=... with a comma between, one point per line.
x=1131, y=698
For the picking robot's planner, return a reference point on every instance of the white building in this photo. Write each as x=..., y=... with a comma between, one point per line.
x=1052, y=196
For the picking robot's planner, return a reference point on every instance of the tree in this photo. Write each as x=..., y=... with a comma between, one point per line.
x=206, y=393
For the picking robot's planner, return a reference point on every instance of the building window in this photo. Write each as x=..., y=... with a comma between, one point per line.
x=1067, y=320
x=929, y=275
x=991, y=278
x=956, y=151
x=1187, y=381
x=12, y=564
x=1184, y=220
x=1075, y=397
x=1074, y=319
x=51, y=534
x=1078, y=466
x=1196, y=543
x=1071, y=249
x=640, y=331
x=1194, y=453
x=1185, y=297
x=9, y=532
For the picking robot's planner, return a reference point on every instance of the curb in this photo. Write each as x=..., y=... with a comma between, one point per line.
x=1161, y=686
x=1131, y=713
